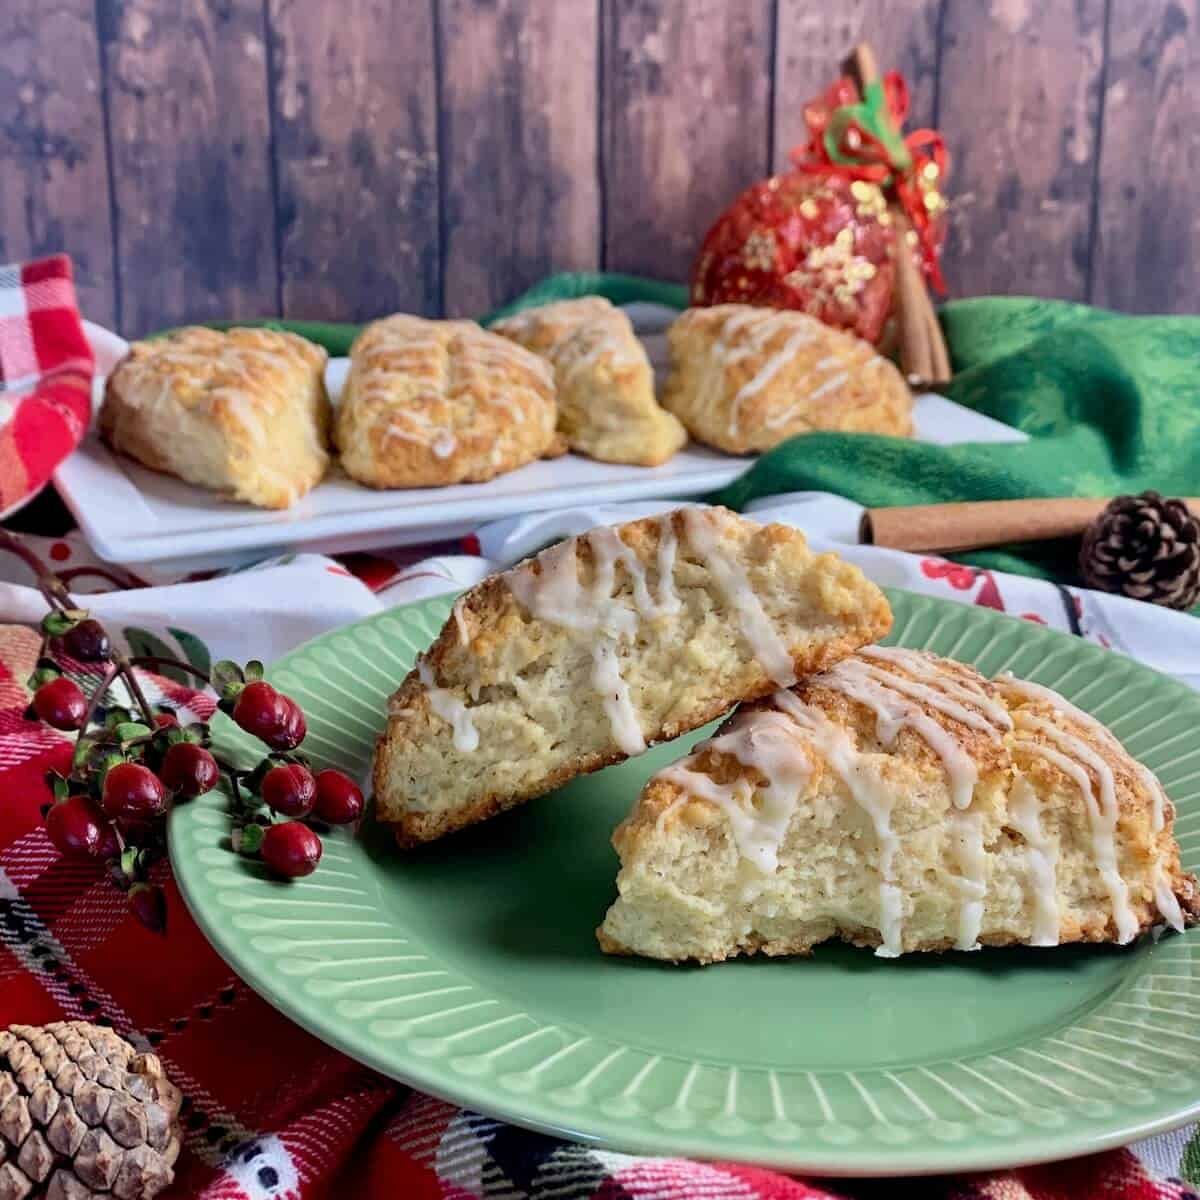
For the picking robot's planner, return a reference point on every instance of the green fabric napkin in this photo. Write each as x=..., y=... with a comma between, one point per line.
x=1111, y=404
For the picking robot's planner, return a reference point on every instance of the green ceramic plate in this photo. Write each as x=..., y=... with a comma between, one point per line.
x=470, y=969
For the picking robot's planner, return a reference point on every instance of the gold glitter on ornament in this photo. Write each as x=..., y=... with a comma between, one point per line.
x=759, y=251
x=869, y=198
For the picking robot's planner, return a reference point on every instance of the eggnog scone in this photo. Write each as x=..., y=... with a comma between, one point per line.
x=602, y=645
x=242, y=412
x=605, y=383
x=432, y=403
x=898, y=800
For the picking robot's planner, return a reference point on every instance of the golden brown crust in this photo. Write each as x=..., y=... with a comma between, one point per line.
x=491, y=639
x=605, y=383
x=431, y=403
x=745, y=378
x=243, y=412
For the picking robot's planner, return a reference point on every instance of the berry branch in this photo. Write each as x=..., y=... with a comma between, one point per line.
x=131, y=764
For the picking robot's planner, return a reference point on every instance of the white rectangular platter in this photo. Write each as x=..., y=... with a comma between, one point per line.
x=132, y=515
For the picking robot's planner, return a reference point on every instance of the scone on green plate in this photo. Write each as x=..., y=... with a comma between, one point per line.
x=602, y=645
x=901, y=801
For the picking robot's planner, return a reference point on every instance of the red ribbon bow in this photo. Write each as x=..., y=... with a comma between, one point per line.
x=858, y=137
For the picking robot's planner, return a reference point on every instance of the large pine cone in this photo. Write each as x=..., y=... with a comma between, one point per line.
x=83, y=1114
x=1144, y=547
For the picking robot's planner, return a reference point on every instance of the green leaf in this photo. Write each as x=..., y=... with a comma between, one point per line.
x=59, y=785
x=55, y=624
x=251, y=839
x=41, y=676
x=254, y=670
x=83, y=747
x=129, y=857
x=194, y=650
x=227, y=675
x=143, y=642
x=128, y=730
x=117, y=716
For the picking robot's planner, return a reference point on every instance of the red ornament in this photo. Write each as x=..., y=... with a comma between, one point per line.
x=819, y=244
x=822, y=238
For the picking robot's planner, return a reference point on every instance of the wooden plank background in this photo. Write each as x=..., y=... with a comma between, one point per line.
x=204, y=158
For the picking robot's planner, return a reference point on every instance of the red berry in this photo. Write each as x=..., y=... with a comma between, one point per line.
x=76, y=827
x=149, y=904
x=133, y=792
x=110, y=842
x=165, y=720
x=339, y=798
x=87, y=642
x=60, y=703
x=189, y=769
x=291, y=850
x=289, y=789
x=294, y=727
x=260, y=709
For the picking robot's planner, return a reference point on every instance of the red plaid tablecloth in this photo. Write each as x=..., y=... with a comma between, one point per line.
x=269, y=1111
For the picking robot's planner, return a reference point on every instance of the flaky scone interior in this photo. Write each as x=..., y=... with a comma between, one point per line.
x=602, y=645
x=901, y=801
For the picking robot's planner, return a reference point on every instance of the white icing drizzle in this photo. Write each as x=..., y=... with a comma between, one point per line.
x=1102, y=811
x=444, y=444
x=557, y=595
x=1041, y=862
x=1164, y=897
x=451, y=709
x=764, y=742
x=768, y=647
x=1166, y=901
x=893, y=712
x=966, y=844
x=768, y=371
x=991, y=714
x=876, y=690
x=871, y=795
x=614, y=694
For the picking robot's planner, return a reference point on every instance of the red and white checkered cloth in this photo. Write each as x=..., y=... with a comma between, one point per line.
x=270, y=1112
x=45, y=376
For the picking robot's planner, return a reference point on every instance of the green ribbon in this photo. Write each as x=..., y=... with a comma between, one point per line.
x=873, y=115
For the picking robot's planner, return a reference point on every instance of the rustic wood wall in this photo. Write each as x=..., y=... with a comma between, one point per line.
x=204, y=158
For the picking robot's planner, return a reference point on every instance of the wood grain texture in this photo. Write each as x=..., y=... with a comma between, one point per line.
x=686, y=97
x=1019, y=108
x=189, y=122
x=519, y=130
x=356, y=150
x=54, y=194
x=1147, y=247
x=812, y=40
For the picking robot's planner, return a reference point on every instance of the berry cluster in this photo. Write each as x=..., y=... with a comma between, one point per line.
x=132, y=762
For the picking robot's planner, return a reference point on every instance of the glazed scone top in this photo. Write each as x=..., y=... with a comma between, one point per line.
x=596, y=608
x=972, y=729
x=758, y=374
x=432, y=382
x=242, y=370
x=575, y=334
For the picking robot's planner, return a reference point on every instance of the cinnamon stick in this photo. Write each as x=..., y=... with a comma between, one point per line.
x=946, y=528
x=924, y=358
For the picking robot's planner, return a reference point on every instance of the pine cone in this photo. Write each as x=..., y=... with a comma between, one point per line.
x=83, y=1114
x=1144, y=547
